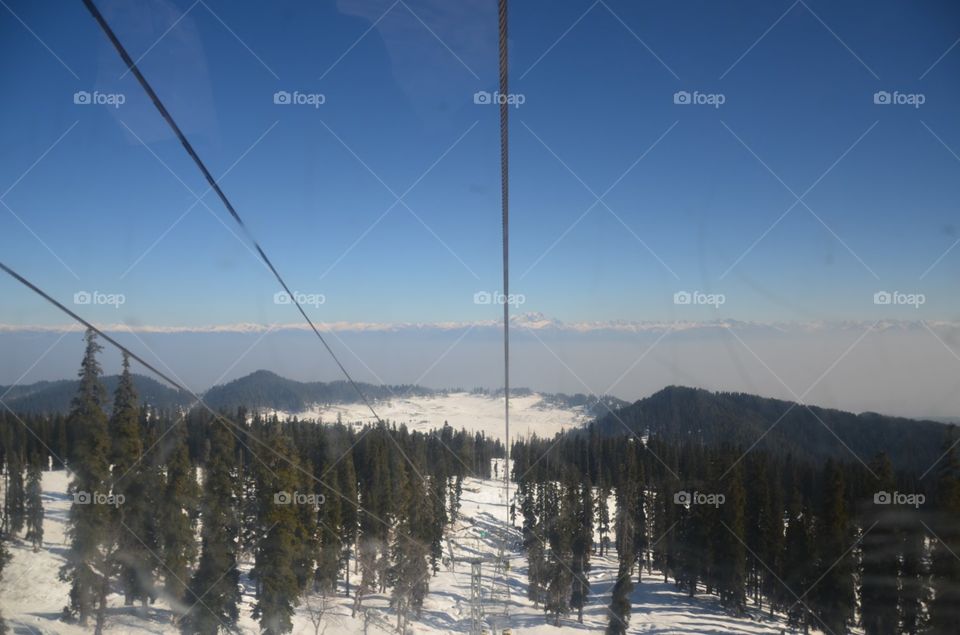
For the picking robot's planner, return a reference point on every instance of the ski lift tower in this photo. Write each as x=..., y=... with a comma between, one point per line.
x=476, y=592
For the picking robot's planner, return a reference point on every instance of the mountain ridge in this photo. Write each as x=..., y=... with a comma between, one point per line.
x=743, y=419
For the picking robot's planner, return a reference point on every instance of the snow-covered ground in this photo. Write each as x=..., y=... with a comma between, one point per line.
x=475, y=412
x=32, y=596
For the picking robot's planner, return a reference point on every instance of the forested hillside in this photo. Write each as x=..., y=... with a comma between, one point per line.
x=50, y=397
x=834, y=545
x=683, y=414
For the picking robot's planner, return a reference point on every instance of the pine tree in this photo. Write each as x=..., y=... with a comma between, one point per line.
x=132, y=518
x=880, y=559
x=532, y=542
x=623, y=587
x=582, y=546
x=559, y=529
x=276, y=556
x=34, y=506
x=375, y=485
x=217, y=577
x=4, y=559
x=438, y=519
x=945, y=607
x=730, y=553
x=798, y=556
x=89, y=523
x=409, y=570
x=913, y=578
x=603, y=515
x=834, y=595
x=14, y=499
x=455, y=494
x=350, y=511
x=179, y=507
x=330, y=531
x=665, y=518
x=639, y=510
x=771, y=539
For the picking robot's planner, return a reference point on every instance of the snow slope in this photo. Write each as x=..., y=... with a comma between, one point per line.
x=32, y=596
x=475, y=412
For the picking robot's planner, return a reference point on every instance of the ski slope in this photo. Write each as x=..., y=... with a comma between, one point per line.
x=475, y=412
x=32, y=596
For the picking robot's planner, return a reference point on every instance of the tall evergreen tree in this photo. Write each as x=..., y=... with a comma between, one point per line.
x=330, y=531
x=945, y=606
x=560, y=522
x=217, y=577
x=133, y=518
x=623, y=587
x=14, y=494
x=179, y=502
x=350, y=511
x=4, y=559
x=730, y=554
x=276, y=557
x=834, y=599
x=34, y=506
x=880, y=560
x=582, y=545
x=532, y=542
x=913, y=580
x=798, y=558
x=409, y=571
x=89, y=527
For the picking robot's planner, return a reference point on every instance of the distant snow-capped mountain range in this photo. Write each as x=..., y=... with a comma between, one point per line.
x=533, y=321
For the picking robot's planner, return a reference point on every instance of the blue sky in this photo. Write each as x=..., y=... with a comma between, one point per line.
x=598, y=82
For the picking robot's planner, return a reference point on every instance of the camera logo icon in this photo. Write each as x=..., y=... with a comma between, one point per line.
x=81, y=97
x=82, y=297
x=881, y=97
x=483, y=297
x=82, y=498
x=282, y=297
x=682, y=498
x=482, y=97
x=281, y=97
x=882, y=297
x=899, y=498
x=682, y=297
x=681, y=97
x=282, y=498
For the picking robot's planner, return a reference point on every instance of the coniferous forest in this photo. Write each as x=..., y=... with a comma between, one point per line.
x=166, y=504
x=834, y=546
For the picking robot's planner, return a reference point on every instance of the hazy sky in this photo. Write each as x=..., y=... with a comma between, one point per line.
x=796, y=158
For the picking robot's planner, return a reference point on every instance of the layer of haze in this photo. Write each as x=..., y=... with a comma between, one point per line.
x=906, y=369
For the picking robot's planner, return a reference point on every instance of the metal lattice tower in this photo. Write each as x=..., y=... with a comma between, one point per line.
x=476, y=597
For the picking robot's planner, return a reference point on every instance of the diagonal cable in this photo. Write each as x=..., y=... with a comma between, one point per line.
x=216, y=188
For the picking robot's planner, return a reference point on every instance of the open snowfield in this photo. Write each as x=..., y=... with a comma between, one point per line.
x=32, y=596
x=476, y=412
